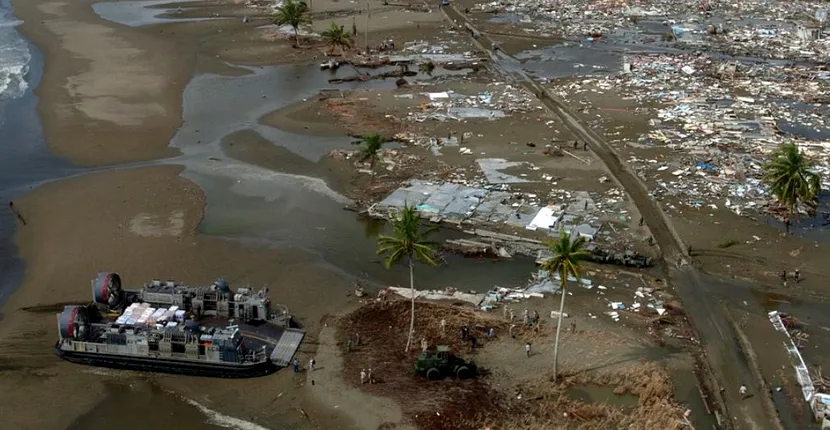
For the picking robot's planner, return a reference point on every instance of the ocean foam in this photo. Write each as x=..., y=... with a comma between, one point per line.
x=225, y=421
x=12, y=82
x=13, y=23
x=14, y=59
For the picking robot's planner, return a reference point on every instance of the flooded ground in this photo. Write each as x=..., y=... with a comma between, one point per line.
x=279, y=208
x=139, y=405
x=592, y=393
x=142, y=12
x=26, y=162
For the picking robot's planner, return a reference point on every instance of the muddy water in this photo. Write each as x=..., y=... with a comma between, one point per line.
x=141, y=12
x=139, y=405
x=601, y=394
x=25, y=163
x=249, y=203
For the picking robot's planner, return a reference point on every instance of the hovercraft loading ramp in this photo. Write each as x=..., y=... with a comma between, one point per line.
x=287, y=346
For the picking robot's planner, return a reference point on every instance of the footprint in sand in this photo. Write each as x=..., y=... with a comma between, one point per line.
x=149, y=225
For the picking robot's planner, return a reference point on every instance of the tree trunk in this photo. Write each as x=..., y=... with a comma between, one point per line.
x=787, y=225
x=559, y=325
x=412, y=311
x=296, y=37
x=372, y=168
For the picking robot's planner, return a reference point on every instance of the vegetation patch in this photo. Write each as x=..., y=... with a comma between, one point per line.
x=545, y=404
x=383, y=327
x=452, y=404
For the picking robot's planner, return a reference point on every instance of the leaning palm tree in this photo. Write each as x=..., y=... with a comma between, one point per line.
x=370, y=151
x=337, y=37
x=408, y=243
x=293, y=13
x=791, y=180
x=568, y=254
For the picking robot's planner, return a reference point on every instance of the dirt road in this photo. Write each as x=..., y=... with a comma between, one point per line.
x=729, y=367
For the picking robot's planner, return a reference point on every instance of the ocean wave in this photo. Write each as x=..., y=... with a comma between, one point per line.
x=225, y=421
x=12, y=81
x=14, y=59
x=13, y=23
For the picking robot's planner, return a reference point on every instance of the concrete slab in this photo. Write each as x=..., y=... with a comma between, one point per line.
x=492, y=170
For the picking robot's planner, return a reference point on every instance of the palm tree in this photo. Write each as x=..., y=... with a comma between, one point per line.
x=568, y=254
x=791, y=180
x=409, y=243
x=293, y=13
x=336, y=37
x=370, y=151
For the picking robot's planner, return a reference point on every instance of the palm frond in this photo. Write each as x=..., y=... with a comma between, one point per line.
x=568, y=254
x=409, y=240
x=293, y=13
x=337, y=37
x=790, y=178
x=370, y=148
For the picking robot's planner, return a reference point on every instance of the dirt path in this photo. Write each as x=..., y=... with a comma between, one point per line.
x=327, y=386
x=728, y=364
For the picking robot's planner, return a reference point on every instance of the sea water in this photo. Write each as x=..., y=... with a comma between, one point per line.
x=14, y=59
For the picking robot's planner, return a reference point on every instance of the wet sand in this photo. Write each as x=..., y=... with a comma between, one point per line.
x=113, y=94
x=109, y=95
x=145, y=223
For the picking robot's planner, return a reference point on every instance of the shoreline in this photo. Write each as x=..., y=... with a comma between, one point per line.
x=137, y=215
x=81, y=112
x=148, y=218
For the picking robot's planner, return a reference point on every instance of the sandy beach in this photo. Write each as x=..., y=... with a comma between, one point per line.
x=244, y=175
x=111, y=95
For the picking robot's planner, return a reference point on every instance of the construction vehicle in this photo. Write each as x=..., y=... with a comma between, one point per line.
x=438, y=363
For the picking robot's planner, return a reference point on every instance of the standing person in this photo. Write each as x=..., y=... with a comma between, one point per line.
x=357, y=339
x=491, y=332
x=348, y=345
x=296, y=364
x=505, y=310
x=527, y=349
x=16, y=213
x=424, y=344
x=371, y=378
x=443, y=325
x=535, y=317
x=473, y=341
x=363, y=376
x=525, y=317
x=797, y=276
x=510, y=330
x=311, y=364
x=512, y=315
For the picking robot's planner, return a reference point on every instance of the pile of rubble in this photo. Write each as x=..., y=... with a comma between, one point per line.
x=497, y=102
x=725, y=118
x=388, y=159
x=791, y=30
x=647, y=301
